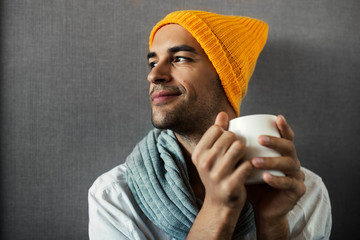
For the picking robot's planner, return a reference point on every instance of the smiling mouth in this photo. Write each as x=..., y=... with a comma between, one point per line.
x=163, y=96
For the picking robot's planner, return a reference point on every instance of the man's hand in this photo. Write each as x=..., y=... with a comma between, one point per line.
x=218, y=159
x=272, y=201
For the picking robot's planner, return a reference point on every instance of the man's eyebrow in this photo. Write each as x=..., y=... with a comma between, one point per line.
x=151, y=55
x=175, y=49
x=180, y=48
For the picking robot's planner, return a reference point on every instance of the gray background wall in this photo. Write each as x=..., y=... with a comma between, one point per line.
x=74, y=99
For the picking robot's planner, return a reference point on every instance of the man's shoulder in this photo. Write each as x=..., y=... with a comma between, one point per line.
x=113, y=212
x=113, y=180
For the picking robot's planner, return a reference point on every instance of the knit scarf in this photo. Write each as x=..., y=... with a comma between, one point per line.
x=158, y=179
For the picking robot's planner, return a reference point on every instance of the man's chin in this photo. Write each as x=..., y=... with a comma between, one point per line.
x=169, y=120
x=158, y=125
x=159, y=122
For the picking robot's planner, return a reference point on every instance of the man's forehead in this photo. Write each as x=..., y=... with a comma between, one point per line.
x=173, y=37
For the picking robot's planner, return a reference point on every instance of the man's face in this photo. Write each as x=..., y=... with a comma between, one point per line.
x=185, y=92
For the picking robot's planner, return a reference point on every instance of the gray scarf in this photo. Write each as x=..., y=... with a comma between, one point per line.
x=158, y=179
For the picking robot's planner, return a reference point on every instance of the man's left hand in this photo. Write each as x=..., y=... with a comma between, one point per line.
x=272, y=201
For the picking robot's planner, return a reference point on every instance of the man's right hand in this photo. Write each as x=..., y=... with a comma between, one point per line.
x=218, y=159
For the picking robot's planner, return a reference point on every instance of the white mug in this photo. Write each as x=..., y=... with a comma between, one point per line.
x=248, y=129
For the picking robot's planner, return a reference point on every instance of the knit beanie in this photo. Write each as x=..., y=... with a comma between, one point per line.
x=232, y=43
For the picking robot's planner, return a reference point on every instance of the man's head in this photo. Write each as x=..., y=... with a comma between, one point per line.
x=185, y=91
x=226, y=46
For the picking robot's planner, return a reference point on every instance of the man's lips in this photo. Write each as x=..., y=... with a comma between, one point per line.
x=163, y=96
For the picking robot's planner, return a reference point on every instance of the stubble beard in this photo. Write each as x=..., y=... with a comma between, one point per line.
x=188, y=118
x=182, y=120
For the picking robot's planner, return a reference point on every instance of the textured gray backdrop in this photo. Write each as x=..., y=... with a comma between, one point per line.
x=74, y=99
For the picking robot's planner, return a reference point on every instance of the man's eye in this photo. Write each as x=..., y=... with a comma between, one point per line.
x=152, y=64
x=181, y=59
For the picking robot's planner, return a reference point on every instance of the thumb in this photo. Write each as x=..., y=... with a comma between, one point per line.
x=222, y=120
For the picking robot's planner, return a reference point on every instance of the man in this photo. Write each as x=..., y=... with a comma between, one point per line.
x=186, y=179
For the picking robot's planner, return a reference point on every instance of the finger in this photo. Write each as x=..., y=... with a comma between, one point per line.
x=210, y=137
x=224, y=141
x=222, y=120
x=206, y=142
x=241, y=173
x=281, y=145
x=214, y=132
x=285, y=183
x=285, y=164
x=231, y=158
x=284, y=128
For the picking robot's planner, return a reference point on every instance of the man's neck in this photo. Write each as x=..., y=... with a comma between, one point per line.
x=188, y=142
x=187, y=145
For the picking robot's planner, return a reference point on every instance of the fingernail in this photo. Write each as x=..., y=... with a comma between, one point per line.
x=258, y=161
x=267, y=176
x=265, y=139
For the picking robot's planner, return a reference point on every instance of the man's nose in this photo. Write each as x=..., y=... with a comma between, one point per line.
x=160, y=73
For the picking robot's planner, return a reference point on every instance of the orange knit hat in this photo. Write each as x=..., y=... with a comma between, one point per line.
x=232, y=44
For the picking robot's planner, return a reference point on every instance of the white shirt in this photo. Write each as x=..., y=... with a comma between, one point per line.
x=114, y=214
